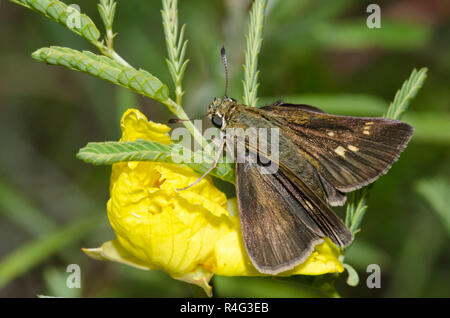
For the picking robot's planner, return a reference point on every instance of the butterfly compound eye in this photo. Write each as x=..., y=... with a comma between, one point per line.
x=217, y=121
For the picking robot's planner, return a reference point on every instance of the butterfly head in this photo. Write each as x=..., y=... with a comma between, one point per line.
x=218, y=110
x=220, y=107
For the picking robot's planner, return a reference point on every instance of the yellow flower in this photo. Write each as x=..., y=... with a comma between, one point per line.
x=190, y=234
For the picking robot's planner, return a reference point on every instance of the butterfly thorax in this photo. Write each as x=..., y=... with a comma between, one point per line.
x=220, y=110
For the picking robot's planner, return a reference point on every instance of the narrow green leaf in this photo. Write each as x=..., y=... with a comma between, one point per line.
x=107, y=10
x=436, y=193
x=353, y=278
x=55, y=281
x=356, y=209
x=19, y=210
x=176, y=45
x=363, y=253
x=107, y=153
x=254, y=41
x=341, y=104
x=408, y=91
x=139, y=81
x=34, y=252
x=355, y=35
x=65, y=15
x=430, y=128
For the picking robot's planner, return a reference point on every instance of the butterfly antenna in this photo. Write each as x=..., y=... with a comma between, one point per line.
x=225, y=64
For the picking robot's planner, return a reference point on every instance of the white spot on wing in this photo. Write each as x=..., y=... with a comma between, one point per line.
x=352, y=148
x=309, y=204
x=366, y=129
x=340, y=151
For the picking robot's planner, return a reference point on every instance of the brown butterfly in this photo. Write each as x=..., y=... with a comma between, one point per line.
x=321, y=157
x=285, y=213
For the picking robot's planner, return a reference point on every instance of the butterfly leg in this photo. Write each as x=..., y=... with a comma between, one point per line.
x=216, y=160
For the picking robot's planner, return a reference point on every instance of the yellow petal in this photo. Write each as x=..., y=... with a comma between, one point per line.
x=135, y=125
x=171, y=230
x=200, y=278
x=113, y=251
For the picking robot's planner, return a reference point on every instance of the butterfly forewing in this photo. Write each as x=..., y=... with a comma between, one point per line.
x=348, y=152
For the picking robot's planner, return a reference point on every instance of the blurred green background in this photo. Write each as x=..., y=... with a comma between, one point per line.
x=314, y=52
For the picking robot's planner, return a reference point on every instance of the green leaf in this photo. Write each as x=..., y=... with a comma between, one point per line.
x=408, y=91
x=356, y=209
x=436, y=193
x=341, y=104
x=104, y=67
x=355, y=35
x=18, y=209
x=55, y=281
x=176, y=46
x=65, y=15
x=107, y=10
x=429, y=127
x=353, y=278
x=254, y=40
x=107, y=153
x=34, y=252
x=363, y=253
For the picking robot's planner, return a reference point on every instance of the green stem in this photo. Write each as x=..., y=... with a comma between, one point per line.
x=109, y=52
x=254, y=40
x=174, y=107
x=178, y=111
x=176, y=49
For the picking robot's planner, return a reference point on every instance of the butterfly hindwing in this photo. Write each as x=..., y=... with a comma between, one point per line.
x=281, y=219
